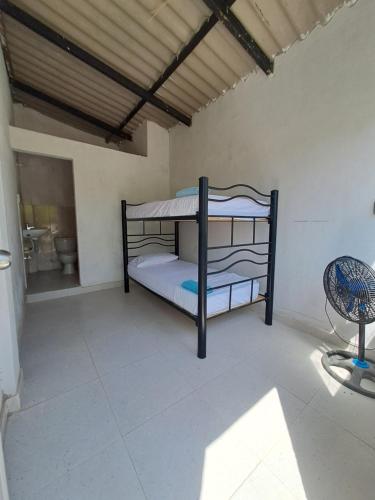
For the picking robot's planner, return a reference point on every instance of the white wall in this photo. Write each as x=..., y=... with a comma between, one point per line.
x=310, y=132
x=102, y=177
x=11, y=280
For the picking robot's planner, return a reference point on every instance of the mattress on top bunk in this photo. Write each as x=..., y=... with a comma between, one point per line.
x=189, y=205
x=165, y=280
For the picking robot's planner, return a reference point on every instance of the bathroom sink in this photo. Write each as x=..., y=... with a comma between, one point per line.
x=33, y=233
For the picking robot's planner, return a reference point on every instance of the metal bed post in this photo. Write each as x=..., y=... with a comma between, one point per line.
x=271, y=257
x=202, y=266
x=177, y=238
x=125, y=245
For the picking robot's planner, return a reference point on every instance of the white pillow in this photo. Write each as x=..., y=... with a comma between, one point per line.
x=153, y=259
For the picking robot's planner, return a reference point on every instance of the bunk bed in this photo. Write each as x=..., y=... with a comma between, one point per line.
x=219, y=290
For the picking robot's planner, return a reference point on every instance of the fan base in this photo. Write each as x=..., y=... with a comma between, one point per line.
x=360, y=363
x=358, y=370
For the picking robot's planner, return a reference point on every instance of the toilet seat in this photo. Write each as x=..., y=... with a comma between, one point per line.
x=68, y=254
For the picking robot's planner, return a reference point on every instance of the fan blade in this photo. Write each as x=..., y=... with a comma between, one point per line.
x=347, y=293
x=350, y=305
x=341, y=278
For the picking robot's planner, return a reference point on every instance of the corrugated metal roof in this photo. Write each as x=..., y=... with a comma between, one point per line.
x=140, y=38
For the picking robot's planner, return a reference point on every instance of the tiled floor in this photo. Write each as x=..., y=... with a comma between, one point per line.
x=116, y=406
x=47, y=281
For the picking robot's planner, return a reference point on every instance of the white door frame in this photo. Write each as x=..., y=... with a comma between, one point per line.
x=8, y=329
x=4, y=493
x=9, y=367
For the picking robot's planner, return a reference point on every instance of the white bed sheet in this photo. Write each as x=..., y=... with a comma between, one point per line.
x=165, y=279
x=189, y=205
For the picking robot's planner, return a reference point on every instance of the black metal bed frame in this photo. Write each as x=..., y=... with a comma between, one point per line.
x=202, y=218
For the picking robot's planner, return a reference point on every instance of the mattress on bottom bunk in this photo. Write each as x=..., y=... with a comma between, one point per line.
x=165, y=280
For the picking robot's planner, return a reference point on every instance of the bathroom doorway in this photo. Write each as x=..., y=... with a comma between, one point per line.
x=48, y=223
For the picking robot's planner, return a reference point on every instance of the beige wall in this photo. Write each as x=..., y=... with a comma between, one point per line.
x=309, y=131
x=46, y=181
x=102, y=177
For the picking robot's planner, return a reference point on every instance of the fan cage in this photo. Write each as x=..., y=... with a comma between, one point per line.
x=350, y=288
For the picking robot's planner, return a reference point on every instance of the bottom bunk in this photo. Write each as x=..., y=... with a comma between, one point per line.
x=165, y=279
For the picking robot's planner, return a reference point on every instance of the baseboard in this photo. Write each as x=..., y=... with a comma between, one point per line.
x=3, y=415
x=10, y=404
x=4, y=493
x=68, y=292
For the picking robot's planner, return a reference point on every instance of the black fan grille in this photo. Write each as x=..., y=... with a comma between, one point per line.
x=350, y=288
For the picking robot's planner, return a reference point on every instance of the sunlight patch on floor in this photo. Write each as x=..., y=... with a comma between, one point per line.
x=243, y=445
x=227, y=463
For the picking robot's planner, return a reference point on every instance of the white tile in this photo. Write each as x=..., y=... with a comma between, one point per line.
x=49, y=317
x=174, y=329
x=53, y=363
x=185, y=453
x=254, y=408
x=247, y=399
x=107, y=314
x=46, y=440
x=101, y=324
x=347, y=408
x=239, y=333
x=109, y=475
x=291, y=358
x=143, y=389
x=121, y=349
x=262, y=485
x=197, y=371
x=318, y=459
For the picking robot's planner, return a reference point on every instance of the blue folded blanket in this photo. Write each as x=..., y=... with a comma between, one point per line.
x=192, y=286
x=191, y=191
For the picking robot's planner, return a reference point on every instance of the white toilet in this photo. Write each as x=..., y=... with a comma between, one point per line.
x=66, y=251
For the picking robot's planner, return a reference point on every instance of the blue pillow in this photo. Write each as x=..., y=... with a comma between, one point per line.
x=191, y=191
x=192, y=286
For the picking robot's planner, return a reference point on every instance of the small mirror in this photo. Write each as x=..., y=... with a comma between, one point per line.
x=5, y=259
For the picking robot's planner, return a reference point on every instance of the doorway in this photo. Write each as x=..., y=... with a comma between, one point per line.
x=48, y=223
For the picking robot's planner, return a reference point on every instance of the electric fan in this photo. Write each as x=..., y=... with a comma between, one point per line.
x=350, y=288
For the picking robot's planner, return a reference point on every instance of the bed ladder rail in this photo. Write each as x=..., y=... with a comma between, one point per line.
x=202, y=219
x=143, y=239
x=272, y=256
x=125, y=255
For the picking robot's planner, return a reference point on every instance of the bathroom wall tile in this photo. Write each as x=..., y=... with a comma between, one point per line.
x=64, y=184
x=72, y=218
x=66, y=221
x=26, y=183
x=41, y=216
x=44, y=245
x=28, y=214
x=46, y=180
x=54, y=219
x=47, y=192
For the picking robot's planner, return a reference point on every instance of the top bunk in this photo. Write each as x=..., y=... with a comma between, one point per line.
x=249, y=205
